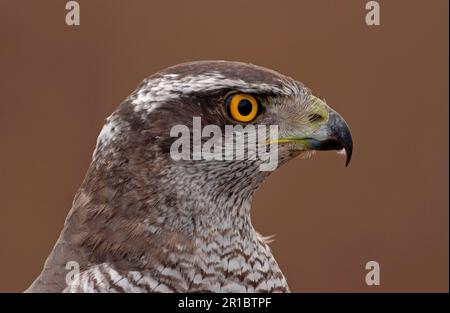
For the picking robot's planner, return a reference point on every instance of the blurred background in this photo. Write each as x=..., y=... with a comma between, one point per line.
x=390, y=82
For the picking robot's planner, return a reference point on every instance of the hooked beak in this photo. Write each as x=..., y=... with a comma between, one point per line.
x=333, y=135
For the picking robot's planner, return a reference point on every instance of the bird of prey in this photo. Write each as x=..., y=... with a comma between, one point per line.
x=144, y=222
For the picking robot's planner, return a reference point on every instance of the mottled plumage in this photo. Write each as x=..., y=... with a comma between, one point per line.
x=142, y=222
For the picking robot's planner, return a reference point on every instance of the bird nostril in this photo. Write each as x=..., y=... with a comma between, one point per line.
x=314, y=117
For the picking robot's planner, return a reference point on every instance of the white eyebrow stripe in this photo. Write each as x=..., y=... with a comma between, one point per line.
x=171, y=86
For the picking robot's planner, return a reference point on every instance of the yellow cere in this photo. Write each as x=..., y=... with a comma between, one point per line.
x=316, y=106
x=319, y=107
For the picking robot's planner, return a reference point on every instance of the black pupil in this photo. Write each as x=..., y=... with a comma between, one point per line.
x=244, y=107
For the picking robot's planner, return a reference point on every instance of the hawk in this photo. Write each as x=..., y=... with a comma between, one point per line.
x=144, y=222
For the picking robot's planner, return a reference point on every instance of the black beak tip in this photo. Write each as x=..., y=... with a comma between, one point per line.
x=347, y=144
x=341, y=135
x=348, y=153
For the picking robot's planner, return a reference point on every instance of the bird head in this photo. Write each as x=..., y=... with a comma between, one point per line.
x=135, y=175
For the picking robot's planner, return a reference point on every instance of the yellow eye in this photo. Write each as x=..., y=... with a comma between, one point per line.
x=242, y=107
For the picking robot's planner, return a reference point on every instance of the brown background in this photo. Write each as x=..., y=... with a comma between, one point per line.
x=58, y=83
